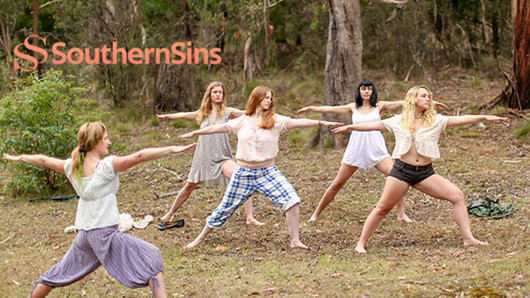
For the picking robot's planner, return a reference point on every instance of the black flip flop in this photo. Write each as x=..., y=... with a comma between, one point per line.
x=171, y=224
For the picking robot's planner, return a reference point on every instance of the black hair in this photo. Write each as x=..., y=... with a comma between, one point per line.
x=358, y=98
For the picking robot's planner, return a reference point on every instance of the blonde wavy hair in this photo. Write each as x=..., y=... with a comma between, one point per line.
x=88, y=136
x=409, y=106
x=206, y=103
x=257, y=95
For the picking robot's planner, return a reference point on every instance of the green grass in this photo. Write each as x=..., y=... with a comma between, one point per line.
x=422, y=259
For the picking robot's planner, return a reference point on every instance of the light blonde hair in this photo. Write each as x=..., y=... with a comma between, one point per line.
x=88, y=136
x=257, y=95
x=409, y=106
x=206, y=103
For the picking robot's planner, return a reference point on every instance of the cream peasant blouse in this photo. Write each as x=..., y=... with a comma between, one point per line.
x=425, y=139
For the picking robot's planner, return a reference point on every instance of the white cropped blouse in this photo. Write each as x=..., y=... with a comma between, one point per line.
x=425, y=139
x=97, y=206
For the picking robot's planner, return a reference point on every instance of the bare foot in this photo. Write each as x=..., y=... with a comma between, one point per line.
x=360, y=249
x=298, y=244
x=474, y=242
x=404, y=218
x=253, y=221
x=194, y=243
x=166, y=217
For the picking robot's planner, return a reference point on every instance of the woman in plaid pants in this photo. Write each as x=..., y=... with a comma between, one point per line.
x=258, y=131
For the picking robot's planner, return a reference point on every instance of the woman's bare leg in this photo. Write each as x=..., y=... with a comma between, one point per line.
x=292, y=217
x=182, y=197
x=385, y=167
x=205, y=231
x=441, y=188
x=345, y=172
x=41, y=290
x=228, y=169
x=394, y=191
x=160, y=290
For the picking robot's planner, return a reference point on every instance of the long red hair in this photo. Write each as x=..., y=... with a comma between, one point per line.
x=257, y=95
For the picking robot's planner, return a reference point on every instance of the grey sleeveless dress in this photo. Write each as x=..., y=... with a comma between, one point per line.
x=210, y=154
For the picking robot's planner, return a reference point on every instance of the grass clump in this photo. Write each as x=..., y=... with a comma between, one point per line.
x=524, y=130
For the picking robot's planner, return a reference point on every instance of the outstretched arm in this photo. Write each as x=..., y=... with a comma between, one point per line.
x=122, y=163
x=472, y=119
x=299, y=123
x=345, y=109
x=234, y=113
x=40, y=160
x=180, y=115
x=398, y=104
x=368, y=126
x=218, y=128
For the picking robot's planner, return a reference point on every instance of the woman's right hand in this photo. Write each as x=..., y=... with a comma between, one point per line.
x=187, y=135
x=341, y=129
x=10, y=157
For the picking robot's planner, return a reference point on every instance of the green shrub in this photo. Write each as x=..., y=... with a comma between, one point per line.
x=41, y=116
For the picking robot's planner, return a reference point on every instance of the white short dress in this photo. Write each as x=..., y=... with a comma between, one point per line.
x=366, y=149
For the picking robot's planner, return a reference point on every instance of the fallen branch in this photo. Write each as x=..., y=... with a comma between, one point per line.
x=517, y=113
x=5, y=240
x=55, y=198
x=166, y=194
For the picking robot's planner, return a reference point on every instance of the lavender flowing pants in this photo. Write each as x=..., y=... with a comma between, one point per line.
x=130, y=260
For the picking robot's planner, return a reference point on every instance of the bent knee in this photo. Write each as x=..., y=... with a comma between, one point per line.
x=337, y=185
x=382, y=210
x=190, y=186
x=456, y=197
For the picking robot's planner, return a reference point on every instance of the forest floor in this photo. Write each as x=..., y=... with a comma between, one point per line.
x=425, y=258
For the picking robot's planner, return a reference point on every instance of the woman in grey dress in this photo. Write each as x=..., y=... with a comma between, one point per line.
x=213, y=162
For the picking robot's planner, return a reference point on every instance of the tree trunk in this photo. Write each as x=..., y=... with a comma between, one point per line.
x=5, y=43
x=176, y=88
x=343, y=64
x=35, y=7
x=517, y=93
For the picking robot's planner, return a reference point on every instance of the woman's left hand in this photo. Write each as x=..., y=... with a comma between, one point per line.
x=328, y=123
x=178, y=149
x=440, y=105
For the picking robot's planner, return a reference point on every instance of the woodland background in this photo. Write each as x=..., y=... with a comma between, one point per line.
x=462, y=49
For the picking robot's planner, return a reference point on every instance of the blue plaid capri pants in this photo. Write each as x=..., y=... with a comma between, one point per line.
x=245, y=181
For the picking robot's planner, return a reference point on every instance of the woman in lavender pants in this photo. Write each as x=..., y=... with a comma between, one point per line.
x=133, y=262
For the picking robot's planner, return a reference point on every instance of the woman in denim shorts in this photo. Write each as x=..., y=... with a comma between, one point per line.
x=417, y=131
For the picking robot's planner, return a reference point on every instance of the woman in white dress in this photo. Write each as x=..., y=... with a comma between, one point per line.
x=365, y=150
x=417, y=131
